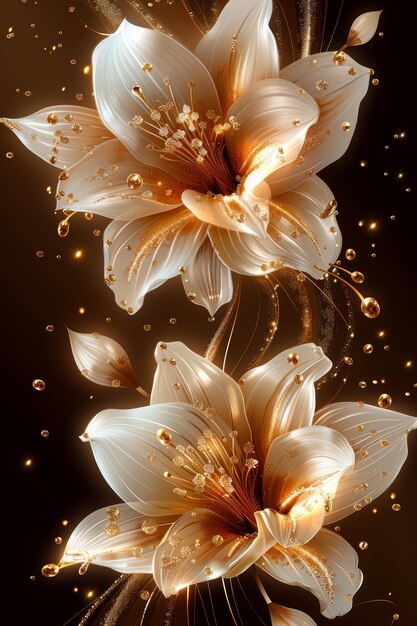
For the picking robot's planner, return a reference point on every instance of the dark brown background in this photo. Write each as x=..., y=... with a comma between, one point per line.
x=63, y=482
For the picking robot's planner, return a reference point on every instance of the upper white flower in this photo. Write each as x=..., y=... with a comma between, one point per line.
x=206, y=160
x=217, y=476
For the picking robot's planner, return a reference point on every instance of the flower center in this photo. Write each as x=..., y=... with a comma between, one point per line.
x=195, y=143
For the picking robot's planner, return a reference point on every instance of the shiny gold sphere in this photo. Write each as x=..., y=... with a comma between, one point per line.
x=370, y=308
x=358, y=277
x=384, y=401
x=50, y=570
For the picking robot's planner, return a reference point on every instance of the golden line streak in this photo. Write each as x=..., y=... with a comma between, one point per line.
x=214, y=344
x=231, y=333
x=228, y=602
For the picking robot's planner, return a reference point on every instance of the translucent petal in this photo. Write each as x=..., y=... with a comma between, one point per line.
x=363, y=28
x=283, y=616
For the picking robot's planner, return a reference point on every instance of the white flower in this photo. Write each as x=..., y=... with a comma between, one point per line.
x=217, y=477
x=248, y=198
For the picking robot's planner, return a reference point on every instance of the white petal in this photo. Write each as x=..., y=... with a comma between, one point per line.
x=60, y=142
x=134, y=453
x=298, y=527
x=184, y=376
x=240, y=49
x=144, y=253
x=363, y=28
x=379, y=439
x=299, y=236
x=327, y=566
x=121, y=543
x=283, y=616
x=208, y=278
x=247, y=211
x=100, y=183
x=305, y=462
x=338, y=90
x=118, y=61
x=275, y=402
x=274, y=119
x=102, y=360
x=192, y=551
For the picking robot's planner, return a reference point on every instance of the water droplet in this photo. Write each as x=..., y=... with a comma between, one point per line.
x=50, y=570
x=368, y=348
x=45, y=433
x=363, y=545
x=358, y=277
x=38, y=384
x=370, y=308
x=350, y=254
x=147, y=327
x=58, y=540
x=384, y=401
x=164, y=436
x=396, y=506
x=63, y=228
x=293, y=358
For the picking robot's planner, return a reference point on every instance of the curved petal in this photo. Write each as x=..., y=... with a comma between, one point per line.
x=283, y=616
x=277, y=400
x=305, y=463
x=299, y=526
x=207, y=281
x=60, y=135
x=302, y=233
x=184, y=376
x=143, y=58
x=142, y=254
x=240, y=49
x=247, y=211
x=327, y=566
x=102, y=360
x=201, y=546
x=274, y=117
x=379, y=440
x=117, y=537
x=363, y=28
x=338, y=91
x=112, y=183
x=155, y=458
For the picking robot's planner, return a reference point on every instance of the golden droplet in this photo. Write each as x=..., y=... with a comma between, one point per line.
x=375, y=81
x=330, y=209
x=173, y=320
x=363, y=545
x=58, y=540
x=384, y=401
x=45, y=433
x=362, y=384
x=134, y=181
x=164, y=436
x=396, y=507
x=346, y=126
x=112, y=529
x=321, y=85
x=370, y=308
x=348, y=360
x=50, y=570
x=395, y=617
x=115, y=382
x=52, y=119
x=144, y=595
x=38, y=384
x=217, y=540
x=147, y=327
x=298, y=379
x=191, y=295
x=149, y=526
x=84, y=567
x=350, y=254
x=339, y=58
x=368, y=348
x=293, y=358
x=63, y=228
x=147, y=67
x=358, y=277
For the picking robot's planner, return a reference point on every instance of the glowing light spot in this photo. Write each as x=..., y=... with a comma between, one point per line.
x=409, y=364
x=373, y=226
x=89, y=594
x=28, y=462
x=363, y=163
x=78, y=254
x=81, y=310
x=87, y=70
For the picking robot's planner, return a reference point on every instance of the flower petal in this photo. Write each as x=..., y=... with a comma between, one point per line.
x=299, y=526
x=184, y=376
x=240, y=49
x=379, y=439
x=283, y=616
x=144, y=253
x=141, y=57
x=102, y=360
x=338, y=91
x=363, y=28
x=305, y=462
x=274, y=118
x=112, y=183
x=277, y=400
x=203, y=545
x=327, y=566
x=60, y=135
x=247, y=212
x=151, y=456
x=207, y=281
x=302, y=233
x=117, y=537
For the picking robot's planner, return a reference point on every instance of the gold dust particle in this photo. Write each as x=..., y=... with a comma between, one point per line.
x=52, y=119
x=396, y=506
x=173, y=320
x=395, y=617
x=50, y=570
x=113, y=513
x=360, y=428
x=384, y=401
x=164, y=436
x=374, y=510
x=163, y=346
x=375, y=81
x=149, y=526
x=362, y=384
x=357, y=506
x=208, y=570
x=298, y=379
x=71, y=9
x=32, y=578
x=181, y=269
x=144, y=595
x=134, y=181
x=348, y=360
x=337, y=529
x=81, y=310
x=79, y=96
x=368, y=348
x=96, y=233
x=64, y=522
x=321, y=85
x=64, y=175
x=147, y=327
x=350, y=254
x=172, y=362
x=115, y=382
x=385, y=443
x=217, y=540
x=9, y=155
x=38, y=384
x=75, y=589
x=28, y=94
x=191, y=295
x=339, y=58
x=352, y=71
x=293, y=358
x=73, y=61
x=40, y=254
x=88, y=216
x=392, y=495
x=358, y=277
x=147, y=67
x=45, y=433
x=58, y=540
x=346, y=126
x=370, y=308
x=363, y=545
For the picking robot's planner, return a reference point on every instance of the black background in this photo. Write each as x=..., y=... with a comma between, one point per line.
x=63, y=481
